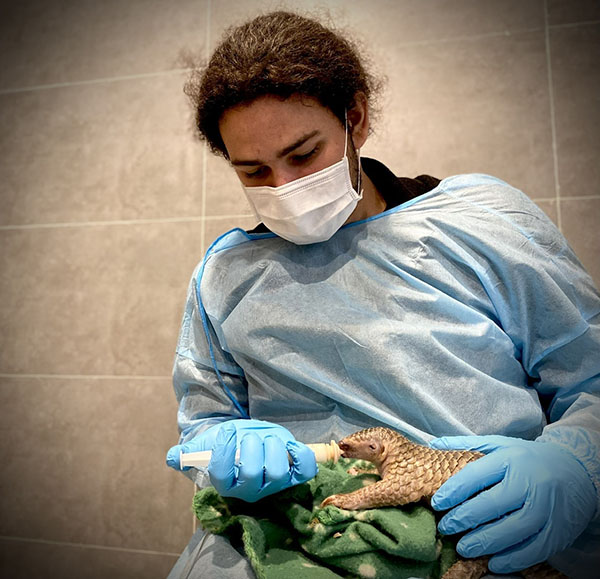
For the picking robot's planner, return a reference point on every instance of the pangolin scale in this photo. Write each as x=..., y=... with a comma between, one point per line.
x=410, y=472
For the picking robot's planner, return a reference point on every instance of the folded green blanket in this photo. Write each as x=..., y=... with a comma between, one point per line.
x=289, y=535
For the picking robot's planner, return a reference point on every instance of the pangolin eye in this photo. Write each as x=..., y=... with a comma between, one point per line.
x=372, y=446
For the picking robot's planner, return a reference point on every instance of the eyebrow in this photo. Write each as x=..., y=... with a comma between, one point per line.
x=282, y=153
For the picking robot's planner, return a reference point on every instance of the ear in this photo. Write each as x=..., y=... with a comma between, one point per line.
x=375, y=445
x=358, y=119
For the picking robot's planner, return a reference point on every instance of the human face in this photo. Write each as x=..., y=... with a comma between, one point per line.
x=271, y=142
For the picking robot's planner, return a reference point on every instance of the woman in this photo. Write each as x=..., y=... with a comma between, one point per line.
x=447, y=309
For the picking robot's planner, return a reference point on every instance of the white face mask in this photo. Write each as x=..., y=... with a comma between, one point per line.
x=309, y=209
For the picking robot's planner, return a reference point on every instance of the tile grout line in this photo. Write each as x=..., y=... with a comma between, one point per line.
x=101, y=80
x=156, y=221
x=579, y=198
x=142, y=75
x=61, y=224
x=203, y=209
x=450, y=39
x=552, y=118
x=575, y=24
x=203, y=201
x=205, y=148
x=84, y=376
x=87, y=546
x=167, y=220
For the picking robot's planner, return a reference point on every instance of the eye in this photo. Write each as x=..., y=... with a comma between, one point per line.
x=373, y=446
x=260, y=172
x=299, y=159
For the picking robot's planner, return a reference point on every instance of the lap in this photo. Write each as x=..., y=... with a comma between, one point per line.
x=210, y=556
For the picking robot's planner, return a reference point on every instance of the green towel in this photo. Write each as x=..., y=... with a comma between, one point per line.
x=289, y=535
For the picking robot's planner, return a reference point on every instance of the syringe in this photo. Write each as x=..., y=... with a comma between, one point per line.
x=323, y=453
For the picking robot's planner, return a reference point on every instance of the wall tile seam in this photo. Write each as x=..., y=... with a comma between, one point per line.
x=574, y=24
x=428, y=42
x=566, y=202
x=468, y=38
x=137, y=76
x=567, y=199
x=116, y=222
x=553, y=130
x=209, y=218
x=10, y=538
x=92, y=81
x=204, y=194
x=25, y=376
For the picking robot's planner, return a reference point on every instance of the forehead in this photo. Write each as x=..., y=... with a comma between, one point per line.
x=269, y=124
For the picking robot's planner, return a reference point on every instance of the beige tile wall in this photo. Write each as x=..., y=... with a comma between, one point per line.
x=107, y=203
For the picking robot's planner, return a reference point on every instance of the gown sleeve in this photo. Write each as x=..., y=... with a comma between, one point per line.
x=210, y=387
x=548, y=305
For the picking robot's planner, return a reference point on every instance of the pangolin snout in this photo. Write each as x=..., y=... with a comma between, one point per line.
x=343, y=447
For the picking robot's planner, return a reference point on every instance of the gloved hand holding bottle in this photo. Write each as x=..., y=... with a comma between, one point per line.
x=536, y=499
x=263, y=467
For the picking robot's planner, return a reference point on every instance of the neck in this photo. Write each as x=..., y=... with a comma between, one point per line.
x=372, y=202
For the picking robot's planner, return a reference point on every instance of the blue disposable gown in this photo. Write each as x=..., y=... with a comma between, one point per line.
x=462, y=311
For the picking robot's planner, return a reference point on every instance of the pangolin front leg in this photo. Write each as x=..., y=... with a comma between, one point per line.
x=371, y=496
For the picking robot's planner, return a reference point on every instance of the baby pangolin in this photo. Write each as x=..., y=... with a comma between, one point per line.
x=410, y=472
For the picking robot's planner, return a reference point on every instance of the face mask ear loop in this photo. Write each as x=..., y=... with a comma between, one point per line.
x=346, y=129
x=359, y=177
x=360, y=193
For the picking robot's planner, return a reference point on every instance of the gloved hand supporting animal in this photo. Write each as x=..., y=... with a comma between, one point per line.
x=535, y=498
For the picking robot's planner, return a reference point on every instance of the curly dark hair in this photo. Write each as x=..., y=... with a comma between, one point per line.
x=279, y=54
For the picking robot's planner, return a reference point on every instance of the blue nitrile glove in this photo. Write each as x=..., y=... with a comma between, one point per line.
x=203, y=441
x=539, y=499
x=263, y=467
